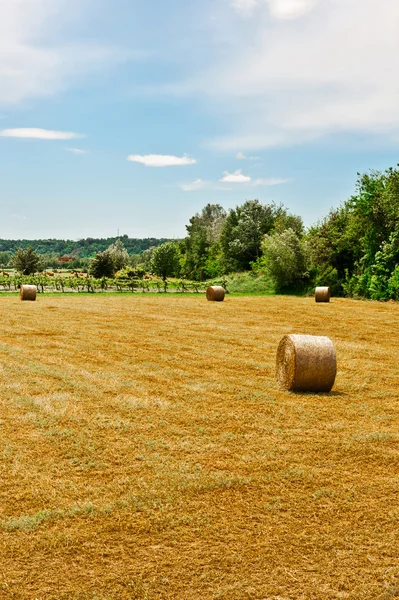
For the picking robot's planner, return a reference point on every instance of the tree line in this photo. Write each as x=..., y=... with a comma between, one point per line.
x=354, y=249
x=80, y=249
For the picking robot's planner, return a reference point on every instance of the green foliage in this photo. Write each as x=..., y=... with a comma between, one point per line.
x=284, y=260
x=328, y=276
x=242, y=234
x=119, y=255
x=244, y=229
x=393, y=284
x=102, y=265
x=200, y=250
x=26, y=261
x=84, y=248
x=165, y=260
x=249, y=283
x=5, y=259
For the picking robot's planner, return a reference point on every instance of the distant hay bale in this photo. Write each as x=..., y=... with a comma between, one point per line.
x=27, y=292
x=322, y=294
x=215, y=293
x=306, y=363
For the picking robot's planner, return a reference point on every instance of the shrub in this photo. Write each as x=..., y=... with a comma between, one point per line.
x=102, y=265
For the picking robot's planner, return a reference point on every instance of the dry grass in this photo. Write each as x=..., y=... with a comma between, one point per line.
x=147, y=452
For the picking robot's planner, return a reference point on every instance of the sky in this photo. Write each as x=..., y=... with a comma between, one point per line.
x=129, y=116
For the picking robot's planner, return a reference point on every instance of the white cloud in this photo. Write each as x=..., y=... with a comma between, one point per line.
x=290, y=9
x=39, y=134
x=198, y=184
x=19, y=217
x=201, y=184
x=161, y=160
x=279, y=9
x=241, y=156
x=77, y=151
x=245, y=7
x=236, y=177
x=312, y=69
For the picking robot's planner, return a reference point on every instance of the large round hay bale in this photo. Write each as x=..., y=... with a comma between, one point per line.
x=27, y=292
x=306, y=363
x=322, y=294
x=215, y=293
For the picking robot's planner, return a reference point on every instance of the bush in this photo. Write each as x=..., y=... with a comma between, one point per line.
x=393, y=284
x=102, y=265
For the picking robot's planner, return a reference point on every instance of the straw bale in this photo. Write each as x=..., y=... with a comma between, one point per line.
x=306, y=363
x=27, y=292
x=322, y=294
x=215, y=293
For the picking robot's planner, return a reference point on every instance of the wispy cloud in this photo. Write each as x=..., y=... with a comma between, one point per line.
x=161, y=160
x=269, y=181
x=77, y=151
x=39, y=134
x=245, y=7
x=311, y=70
x=201, y=184
x=241, y=156
x=236, y=177
x=19, y=217
x=37, y=62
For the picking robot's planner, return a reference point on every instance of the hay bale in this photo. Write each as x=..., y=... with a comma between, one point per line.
x=27, y=292
x=322, y=294
x=215, y=293
x=306, y=363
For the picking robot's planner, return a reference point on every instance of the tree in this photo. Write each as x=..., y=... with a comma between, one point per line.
x=119, y=255
x=102, y=265
x=242, y=234
x=165, y=260
x=202, y=241
x=5, y=258
x=284, y=259
x=26, y=262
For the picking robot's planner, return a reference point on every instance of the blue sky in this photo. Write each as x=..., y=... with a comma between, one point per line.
x=132, y=115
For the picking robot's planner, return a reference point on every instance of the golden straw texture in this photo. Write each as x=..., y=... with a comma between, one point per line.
x=27, y=292
x=215, y=293
x=306, y=363
x=322, y=294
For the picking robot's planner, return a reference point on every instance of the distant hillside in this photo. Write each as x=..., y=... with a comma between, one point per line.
x=81, y=248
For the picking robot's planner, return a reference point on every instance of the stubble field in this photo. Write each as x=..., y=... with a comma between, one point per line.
x=146, y=452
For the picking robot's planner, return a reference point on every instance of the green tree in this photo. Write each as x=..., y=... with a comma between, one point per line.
x=354, y=242
x=26, y=262
x=284, y=259
x=242, y=234
x=200, y=249
x=119, y=255
x=102, y=265
x=5, y=258
x=165, y=260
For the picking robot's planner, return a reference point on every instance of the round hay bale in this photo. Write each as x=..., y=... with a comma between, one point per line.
x=215, y=293
x=322, y=294
x=27, y=292
x=306, y=363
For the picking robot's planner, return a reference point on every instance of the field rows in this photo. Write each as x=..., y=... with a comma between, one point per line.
x=146, y=451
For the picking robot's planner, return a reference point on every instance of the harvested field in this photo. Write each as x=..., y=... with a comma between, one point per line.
x=147, y=451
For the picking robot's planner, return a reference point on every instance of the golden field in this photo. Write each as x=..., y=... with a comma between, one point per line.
x=147, y=453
